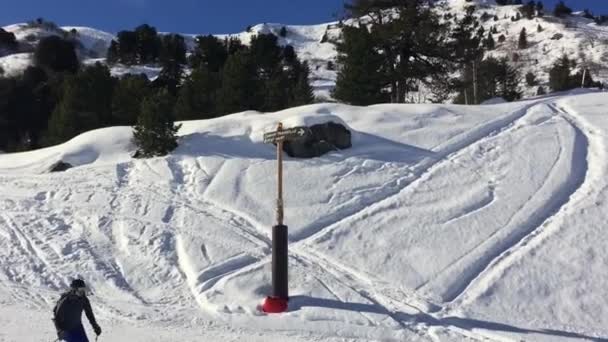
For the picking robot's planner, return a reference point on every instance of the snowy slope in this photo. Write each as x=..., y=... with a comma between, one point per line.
x=582, y=40
x=442, y=223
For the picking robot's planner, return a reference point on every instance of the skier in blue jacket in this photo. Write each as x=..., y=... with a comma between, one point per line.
x=68, y=314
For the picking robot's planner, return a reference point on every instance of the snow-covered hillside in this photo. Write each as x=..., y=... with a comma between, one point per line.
x=579, y=38
x=442, y=223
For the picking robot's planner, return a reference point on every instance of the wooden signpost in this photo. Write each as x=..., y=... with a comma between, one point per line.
x=277, y=302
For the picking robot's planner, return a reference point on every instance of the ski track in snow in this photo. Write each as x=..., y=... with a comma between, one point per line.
x=472, y=138
x=406, y=309
x=579, y=186
x=503, y=242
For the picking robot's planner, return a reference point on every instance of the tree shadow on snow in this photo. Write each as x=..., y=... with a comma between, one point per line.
x=365, y=146
x=298, y=302
x=470, y=324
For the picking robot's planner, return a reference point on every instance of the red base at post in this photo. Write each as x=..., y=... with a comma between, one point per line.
x=274, y=305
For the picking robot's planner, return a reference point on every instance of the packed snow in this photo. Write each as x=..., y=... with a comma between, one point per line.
x=442, y=223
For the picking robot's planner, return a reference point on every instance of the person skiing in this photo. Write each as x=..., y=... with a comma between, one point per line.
x=68, y=313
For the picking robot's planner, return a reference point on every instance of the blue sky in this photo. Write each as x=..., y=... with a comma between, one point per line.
x=193, y=16
x=184, y=16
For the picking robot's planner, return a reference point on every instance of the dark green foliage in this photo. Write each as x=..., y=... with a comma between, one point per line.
x=541, y=91
x=412, y=44
x=523, y=39
x=289, y=54
x=56, y=54
x=360, y=80
x=234, y=45
x=302, y=92
x=198, y=96
x=86, y=104
x=560, y=77
x=142, y=46
x=155, y=133
x=210, y=52
x=497, y=79
x=8, y=42
x=489, y=43
x=561, y=10
x=148, y=44
x=283, y=32
x=467, y=54
x=113, y=55
x=126, y=49
x=276, y=92
x=266, y=54
x=528, y=10
x=539, y=28
x=172, y=59
x=239, y=84
x=173, y=49
x=128, y=96
x=531, y=79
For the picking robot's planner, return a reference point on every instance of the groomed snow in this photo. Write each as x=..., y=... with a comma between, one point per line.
x=442, y=223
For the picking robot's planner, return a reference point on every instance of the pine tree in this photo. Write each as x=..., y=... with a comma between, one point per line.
x=283, y=32
x=561, y=10
x=148, y=44
x=266, y=54
x=56, y=54
x=198, y=96
x=539, y=28
x=127, y=47
x=523, y=40
x=559, y=75
x=489, y=42
x=240, y=87
x=302, y=93
x=360, y=80
x=86, y=104
x=173, y=59
x=210, y=52
x=128, y=96
x=155, y=133
x=467, y=54
x=8, y=41
x=541, y=91
x=412, y=43
x=113, y=55
x=528, y=10
x=531, y=79
x=276, y=93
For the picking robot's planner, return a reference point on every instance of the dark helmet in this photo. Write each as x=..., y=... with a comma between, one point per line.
x=78, y=283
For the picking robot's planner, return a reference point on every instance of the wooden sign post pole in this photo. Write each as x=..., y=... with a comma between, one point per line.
x=280, y=290
x=277, y=303
x=280, y=177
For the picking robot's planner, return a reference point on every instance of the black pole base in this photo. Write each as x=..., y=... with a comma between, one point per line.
x=280, y=288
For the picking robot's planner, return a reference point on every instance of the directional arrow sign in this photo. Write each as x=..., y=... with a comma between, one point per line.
x=285, y=135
